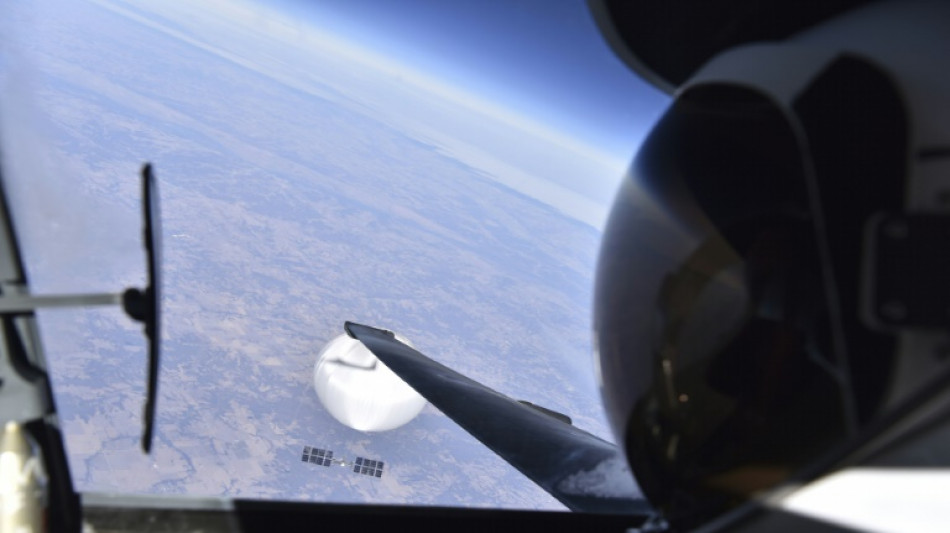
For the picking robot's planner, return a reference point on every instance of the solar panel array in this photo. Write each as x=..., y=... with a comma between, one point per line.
x=368, y=467
x=321, y=457
x=317, y=456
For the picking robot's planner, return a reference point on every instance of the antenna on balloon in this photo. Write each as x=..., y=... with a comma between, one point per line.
x=142, y=305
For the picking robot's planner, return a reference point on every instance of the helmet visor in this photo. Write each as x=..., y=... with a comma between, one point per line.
x=711, y=329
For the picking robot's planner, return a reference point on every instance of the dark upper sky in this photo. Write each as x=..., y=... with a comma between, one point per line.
x=542, y=58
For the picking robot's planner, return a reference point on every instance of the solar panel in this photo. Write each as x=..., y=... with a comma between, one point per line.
x=317, y=456
x=368, y=467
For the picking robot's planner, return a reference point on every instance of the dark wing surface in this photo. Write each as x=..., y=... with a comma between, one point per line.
x=583, y=472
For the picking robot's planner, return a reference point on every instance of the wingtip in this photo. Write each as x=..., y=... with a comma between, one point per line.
x=348, y=328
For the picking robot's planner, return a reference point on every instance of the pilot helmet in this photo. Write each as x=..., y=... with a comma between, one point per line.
x=770, y=280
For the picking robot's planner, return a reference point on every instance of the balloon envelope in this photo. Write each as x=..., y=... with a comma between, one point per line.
x=359, y=390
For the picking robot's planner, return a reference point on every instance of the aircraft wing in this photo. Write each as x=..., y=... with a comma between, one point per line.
x=583, y=472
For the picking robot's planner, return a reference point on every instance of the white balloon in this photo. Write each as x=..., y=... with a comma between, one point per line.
x=359, y=390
